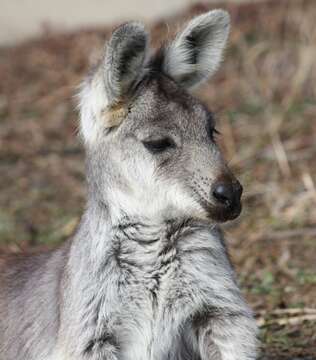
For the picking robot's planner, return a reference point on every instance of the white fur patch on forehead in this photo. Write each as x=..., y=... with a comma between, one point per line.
x=196, y=52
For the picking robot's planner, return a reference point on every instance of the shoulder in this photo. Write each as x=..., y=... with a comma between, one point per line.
x=17, y=269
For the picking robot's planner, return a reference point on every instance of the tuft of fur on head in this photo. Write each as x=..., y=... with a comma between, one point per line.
x=114, y=115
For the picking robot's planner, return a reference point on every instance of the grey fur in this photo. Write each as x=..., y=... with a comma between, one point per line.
x=124, y=60
x=196, y=52
x=146, y=276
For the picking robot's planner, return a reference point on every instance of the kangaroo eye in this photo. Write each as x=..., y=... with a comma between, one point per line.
x=212, y=133
x=210, y=127
x=159, y=145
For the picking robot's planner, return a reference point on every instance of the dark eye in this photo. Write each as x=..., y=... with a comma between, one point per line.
x=159, y=145
x=210, y=126
x=212, y=133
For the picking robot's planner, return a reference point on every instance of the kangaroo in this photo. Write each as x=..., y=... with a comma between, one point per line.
x=147, y=275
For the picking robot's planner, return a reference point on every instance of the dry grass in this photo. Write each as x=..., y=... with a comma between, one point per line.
x=265, y=101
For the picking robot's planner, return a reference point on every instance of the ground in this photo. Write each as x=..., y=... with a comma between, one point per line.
x=264, y=100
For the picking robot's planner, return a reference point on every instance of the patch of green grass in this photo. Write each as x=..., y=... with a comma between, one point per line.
x=265, y=285
x=296, y=305
x=306, y=277
x=58, y=231
x=281, y=338
x=297, y=108
x=7, y=228
x=298, y=340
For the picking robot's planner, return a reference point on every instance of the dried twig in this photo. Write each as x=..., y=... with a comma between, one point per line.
x=291, y=311
x=281, y=155
x=291, y=316
x=295, y=320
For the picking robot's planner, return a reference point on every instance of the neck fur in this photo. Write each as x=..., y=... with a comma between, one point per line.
x=102, y=239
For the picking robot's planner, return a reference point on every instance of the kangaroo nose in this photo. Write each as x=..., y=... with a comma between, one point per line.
x=227, y=193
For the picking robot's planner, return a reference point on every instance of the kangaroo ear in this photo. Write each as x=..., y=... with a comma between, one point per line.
x=124, y=61
x=196, y=52
x=104, y=93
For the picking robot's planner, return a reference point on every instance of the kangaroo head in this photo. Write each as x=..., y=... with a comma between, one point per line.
x=150, y=144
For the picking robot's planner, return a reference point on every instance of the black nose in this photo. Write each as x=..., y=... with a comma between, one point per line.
x=227, y=193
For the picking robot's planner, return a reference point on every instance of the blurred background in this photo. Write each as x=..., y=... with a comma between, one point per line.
x=264, y=99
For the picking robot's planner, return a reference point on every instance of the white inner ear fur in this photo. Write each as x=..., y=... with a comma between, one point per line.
x=124, y=61
x=203, y=41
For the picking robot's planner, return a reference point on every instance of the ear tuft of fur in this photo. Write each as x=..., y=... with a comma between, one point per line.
x=196, y=52
x=114, y=115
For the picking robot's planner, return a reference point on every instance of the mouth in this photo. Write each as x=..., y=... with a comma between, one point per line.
x=221, y=213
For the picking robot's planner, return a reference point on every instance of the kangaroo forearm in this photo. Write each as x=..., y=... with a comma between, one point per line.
x=231, y=337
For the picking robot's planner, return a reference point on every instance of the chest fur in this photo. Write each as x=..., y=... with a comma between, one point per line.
x=151, y=289
x=155, y=301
